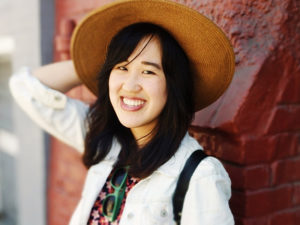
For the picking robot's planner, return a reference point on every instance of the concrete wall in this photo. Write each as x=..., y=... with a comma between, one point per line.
x=22, y=149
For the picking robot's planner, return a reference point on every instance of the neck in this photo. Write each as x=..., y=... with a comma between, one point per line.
x=143, y=139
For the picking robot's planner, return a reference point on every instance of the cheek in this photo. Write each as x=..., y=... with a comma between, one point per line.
x=113, y=86
x=160, y=94
x=163, y=89
x=164, y=96
x=110, y=84
x=110, y=88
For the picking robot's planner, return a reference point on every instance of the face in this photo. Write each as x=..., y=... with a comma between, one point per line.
x=137, y=90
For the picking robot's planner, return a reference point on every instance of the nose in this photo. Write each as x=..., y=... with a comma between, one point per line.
x=132, y=83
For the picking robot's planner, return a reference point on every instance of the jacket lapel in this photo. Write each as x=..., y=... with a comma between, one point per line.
x=176, y=163
x=95, y=180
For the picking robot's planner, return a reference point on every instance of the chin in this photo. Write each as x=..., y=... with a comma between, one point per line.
x=130, y=124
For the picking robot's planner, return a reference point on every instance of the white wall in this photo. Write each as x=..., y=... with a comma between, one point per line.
x=20, y=22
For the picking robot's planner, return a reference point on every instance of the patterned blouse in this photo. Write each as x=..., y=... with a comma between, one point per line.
x=96, y=216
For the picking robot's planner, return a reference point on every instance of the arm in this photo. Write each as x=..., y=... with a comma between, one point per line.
x=56, y=113
x=60, y=76
x=206, y=201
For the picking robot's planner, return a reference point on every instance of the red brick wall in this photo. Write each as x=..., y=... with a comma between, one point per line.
x=254, y=128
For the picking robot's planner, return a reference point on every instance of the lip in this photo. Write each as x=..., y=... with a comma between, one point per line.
x=131, y=107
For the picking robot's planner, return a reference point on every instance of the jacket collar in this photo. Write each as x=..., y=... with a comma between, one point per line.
x=174, y=165
x=109, y=160
x=114, y=151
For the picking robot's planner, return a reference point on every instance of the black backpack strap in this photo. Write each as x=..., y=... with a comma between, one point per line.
x=183, y=182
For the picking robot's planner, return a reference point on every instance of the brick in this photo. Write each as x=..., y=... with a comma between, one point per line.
x=250, y=177
x=237, y=126
x=217, y=143
x=65, y=182
x=62, y=56
x=284, y=118
x=296, y=194
x=236, y=175
x=248, y=149
x=287, y=217
x=62, y=43
x=88, y=96
x=254, y=115
x=223, y=113
x=59, y=215
x=76, y=18
x=270, y=200
x=238, y=203
x=298, y=147
x=66, y=27
x=258, y=149
x=291, y=91
x=286, y=145
x=257, y=177
x=82, y=93
x=252, y=221
x=75, y=92
x=285, y=171
x=297, y=215
x=262, y=202
x=66, y=170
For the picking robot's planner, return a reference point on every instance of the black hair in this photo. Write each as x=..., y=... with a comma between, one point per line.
x=173, y=122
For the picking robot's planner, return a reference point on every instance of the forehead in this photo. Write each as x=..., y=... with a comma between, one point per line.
x=148, y=48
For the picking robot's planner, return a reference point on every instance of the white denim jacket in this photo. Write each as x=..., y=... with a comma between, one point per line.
x=150, y=201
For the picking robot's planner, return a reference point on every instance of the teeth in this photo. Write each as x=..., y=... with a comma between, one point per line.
x=132, y=102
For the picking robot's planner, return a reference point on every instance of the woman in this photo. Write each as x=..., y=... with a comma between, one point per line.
x=134, y=137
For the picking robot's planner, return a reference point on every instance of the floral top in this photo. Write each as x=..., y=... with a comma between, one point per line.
x=96, y=216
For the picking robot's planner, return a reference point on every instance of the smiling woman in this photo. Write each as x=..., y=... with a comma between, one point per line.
x=137, y=88
x=154, y=102
x=149, y=82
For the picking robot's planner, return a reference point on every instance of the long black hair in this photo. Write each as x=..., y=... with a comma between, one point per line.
x=173, y=121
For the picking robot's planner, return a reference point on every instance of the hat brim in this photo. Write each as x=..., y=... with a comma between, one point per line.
x=208, y=49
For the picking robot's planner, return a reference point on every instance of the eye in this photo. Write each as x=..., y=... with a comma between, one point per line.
x=121, y=68
x=148, y=72
x=118, y=67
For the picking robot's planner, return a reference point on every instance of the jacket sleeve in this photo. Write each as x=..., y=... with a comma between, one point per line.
x=59, y=115
x=206, y=201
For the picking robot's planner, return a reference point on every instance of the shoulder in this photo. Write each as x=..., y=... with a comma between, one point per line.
x=211, y=178
x=208, y=194
x=207, y=198
x=210, y=166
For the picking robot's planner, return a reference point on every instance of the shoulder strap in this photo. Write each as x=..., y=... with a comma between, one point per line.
x=183, y=182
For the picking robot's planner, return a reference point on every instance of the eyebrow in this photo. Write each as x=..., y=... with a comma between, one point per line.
x=152, y=64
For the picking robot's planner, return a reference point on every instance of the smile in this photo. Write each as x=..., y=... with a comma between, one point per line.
x=132, y=104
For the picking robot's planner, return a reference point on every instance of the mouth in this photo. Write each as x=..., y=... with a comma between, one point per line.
x=132, y=104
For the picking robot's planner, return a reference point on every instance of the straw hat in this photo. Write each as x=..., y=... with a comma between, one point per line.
x=207, y=47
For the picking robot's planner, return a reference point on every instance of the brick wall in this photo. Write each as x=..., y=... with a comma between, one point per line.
x=253, y=128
